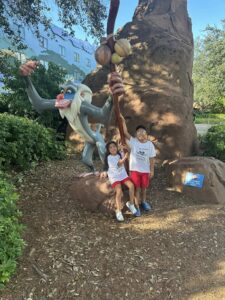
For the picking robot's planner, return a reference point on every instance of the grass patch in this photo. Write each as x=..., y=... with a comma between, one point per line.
x=209, y=118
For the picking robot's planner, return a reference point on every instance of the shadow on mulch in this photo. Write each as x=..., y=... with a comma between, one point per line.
x=175, y=252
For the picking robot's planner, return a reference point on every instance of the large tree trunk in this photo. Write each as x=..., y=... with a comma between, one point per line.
x=157, y=76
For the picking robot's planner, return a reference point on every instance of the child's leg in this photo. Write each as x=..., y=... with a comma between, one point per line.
x=119, y=193
x=130, y=186
x=137, y=197
x=144, y=184
x=135, y=177
x=144, y=193
x=118, y=197
x=130, y=203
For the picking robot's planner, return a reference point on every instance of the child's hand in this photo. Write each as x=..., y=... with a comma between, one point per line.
x=124, y=147
x=126, y=155
x=103, y=175
x=151, y=175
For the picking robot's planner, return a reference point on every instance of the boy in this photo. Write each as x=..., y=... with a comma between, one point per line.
x=142, y=153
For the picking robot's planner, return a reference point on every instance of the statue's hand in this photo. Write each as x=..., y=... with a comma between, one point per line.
x=116, y=84
x=28, y=68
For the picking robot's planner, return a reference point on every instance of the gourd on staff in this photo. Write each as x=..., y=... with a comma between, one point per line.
x=112, y=53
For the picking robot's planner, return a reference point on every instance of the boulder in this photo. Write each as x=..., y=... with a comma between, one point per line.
x=95, y=194
x=213, y=189
x=157, y=77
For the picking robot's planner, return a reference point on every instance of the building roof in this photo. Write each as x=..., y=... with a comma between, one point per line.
x=83, y=45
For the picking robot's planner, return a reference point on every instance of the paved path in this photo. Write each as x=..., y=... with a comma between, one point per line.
x=203, y=128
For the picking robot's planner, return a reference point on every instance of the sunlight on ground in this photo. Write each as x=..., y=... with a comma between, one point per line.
x=173, y=220
x=202, y=215
x=216, y=276
x=212, y=294
x=221, y=270
x=155, y=223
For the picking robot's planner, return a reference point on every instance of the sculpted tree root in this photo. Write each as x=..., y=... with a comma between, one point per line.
x=213, y=189
x=95, y=194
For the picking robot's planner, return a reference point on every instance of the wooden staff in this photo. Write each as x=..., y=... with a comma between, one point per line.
x=114, y=7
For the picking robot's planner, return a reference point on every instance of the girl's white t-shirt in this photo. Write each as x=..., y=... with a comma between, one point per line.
x=115, y=172
x=140, y=155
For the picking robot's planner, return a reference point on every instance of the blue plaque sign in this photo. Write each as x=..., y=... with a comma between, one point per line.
x=195, y=180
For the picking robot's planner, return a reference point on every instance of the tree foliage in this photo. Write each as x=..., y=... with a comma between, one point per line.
x=209, y=69
x=88, y=14
x=15, y=100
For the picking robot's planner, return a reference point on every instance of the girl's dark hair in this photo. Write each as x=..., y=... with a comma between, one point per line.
x=106, y=166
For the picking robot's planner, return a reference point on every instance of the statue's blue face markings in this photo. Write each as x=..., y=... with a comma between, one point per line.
x=69, y=94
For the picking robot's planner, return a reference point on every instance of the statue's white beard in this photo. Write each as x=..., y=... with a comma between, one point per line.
x=72, y=114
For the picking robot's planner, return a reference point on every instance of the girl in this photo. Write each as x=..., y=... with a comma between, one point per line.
x=114, y=164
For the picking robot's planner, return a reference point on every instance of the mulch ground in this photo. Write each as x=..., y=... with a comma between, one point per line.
x=175, y=252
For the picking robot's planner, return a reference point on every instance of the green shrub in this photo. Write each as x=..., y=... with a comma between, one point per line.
x=11, y=243
x=214, y=142
x=24, y=142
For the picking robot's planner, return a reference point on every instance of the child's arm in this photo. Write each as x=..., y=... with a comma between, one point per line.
x=122, y=160
x=152, y=167
x=126, y=133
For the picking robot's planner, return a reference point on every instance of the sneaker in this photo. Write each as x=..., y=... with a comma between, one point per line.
x=119, y=216
x=145, y=206
x=131, y=207
x=138, y=213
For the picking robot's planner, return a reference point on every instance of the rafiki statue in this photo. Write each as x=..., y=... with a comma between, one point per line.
x=75, y=104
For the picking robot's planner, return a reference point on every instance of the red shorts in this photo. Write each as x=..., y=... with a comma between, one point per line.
x=140, y=180
x=120, y=182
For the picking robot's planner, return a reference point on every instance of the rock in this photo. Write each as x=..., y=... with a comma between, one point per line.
x=94, y=194
x=157, y=77
x=213, y=189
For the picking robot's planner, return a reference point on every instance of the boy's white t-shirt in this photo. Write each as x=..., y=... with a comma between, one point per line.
x=140, y=155
x=115, y=172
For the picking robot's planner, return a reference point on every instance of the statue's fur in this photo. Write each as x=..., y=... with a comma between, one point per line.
x=83, y=93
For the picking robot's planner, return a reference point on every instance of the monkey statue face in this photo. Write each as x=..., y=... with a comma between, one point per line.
x=67, y=95
x=73, y=94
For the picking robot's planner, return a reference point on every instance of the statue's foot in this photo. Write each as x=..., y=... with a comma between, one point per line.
x=101, y=150
x=87, y=155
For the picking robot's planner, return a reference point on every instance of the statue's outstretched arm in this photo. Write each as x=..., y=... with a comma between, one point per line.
x=39, y=104
x=102, y=115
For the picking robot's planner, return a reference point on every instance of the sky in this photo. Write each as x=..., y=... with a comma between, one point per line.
x=202, y=13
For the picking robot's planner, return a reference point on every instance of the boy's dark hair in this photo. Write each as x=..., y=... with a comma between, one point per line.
x=106, y=166
x=141, y=127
